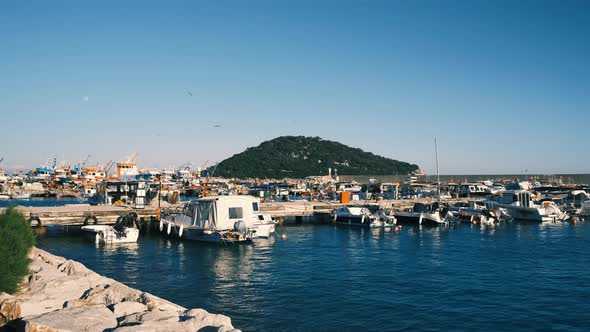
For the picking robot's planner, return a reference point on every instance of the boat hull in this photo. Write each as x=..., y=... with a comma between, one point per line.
x=107, y=235
x=216, y=237
x=359, y=221
x=415, y=218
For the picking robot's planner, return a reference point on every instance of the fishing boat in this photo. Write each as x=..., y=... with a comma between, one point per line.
x=520, y=206
x=363, y=216
x=223, y=219
x=4, y=197
x=125, y=230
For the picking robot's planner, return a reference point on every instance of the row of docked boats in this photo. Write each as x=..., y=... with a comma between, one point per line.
x=222, y=219
x=508, y=205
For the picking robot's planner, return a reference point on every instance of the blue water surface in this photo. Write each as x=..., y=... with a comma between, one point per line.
x=330, y=278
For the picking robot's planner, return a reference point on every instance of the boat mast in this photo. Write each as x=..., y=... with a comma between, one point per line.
x=437, y=174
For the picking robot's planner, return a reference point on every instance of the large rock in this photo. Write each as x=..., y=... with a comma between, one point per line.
x=127, y=308
x=199, y=319
x=109, y=293
x=156, y=315
x=9, y=308
x=61, y=295
x=154, y=302
x=89, y=318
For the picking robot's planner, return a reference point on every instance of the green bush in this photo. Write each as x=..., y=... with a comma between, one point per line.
x=16, y=239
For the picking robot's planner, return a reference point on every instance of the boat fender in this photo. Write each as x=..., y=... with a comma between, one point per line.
x=36, y=220
x=363, y=219
x=169, y=228
x=181, y=230
x=89, y=218
x=161, y=225
x=420, y=220
x=335, y=216
x=97, y=238
x=240, y=226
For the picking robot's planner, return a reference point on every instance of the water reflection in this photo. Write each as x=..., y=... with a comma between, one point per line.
x=110, y=249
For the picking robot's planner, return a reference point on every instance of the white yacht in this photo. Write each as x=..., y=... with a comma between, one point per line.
x=227, y=219
x=422, y=214
x=363, y=216
x=520, y=206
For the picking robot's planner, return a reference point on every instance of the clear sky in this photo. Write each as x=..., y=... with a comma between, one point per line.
x=503, y=85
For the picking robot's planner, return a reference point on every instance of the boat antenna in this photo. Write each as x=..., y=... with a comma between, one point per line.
x=437, y=174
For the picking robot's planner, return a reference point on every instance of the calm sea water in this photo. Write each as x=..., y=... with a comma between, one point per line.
x=330, y=278
x=39, y=202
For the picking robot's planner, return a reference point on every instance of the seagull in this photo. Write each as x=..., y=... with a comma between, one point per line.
x=189, y=93
x=216, y=126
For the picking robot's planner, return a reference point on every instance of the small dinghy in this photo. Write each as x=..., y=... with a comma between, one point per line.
x=125, y=230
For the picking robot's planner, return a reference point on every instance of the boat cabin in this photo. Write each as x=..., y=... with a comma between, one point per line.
x=515, y=197
x=223, y=212
x=473, y=189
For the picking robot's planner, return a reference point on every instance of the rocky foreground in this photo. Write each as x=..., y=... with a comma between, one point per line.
x=64, y=295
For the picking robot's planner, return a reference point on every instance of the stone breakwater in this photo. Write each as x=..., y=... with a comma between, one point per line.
x=63, y=295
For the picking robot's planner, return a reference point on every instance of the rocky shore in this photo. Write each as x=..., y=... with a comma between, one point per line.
x=63, y=295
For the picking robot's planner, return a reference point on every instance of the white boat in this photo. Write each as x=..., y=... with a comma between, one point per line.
x=363, y=216
x=227, y=219
x=4, y=197
x=263, y=225
x=109, y=235
x=352, y=187
x=585, y=209
x=21, y=196
x=520, y=206
x=126, y=230
x=476, y=212
x=422, y=214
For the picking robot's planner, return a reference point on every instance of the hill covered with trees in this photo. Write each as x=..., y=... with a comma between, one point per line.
x=299, y=156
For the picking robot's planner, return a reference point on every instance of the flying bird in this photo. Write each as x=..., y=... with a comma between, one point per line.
x=188, y=92
x=217, y=126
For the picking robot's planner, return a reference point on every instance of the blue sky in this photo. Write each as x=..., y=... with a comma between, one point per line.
x=503, y=85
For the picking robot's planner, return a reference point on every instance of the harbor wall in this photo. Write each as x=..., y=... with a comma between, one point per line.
x=63, y=295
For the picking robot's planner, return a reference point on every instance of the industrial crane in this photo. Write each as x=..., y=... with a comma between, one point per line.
x=200, y=169
x=85, y=162
x=107, y=168
x=132, y=158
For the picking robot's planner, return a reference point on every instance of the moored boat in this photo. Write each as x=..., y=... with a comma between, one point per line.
x=520, y=206
x=126, y=230
x=363, y=216
x=226, y=219
x=422, y=214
